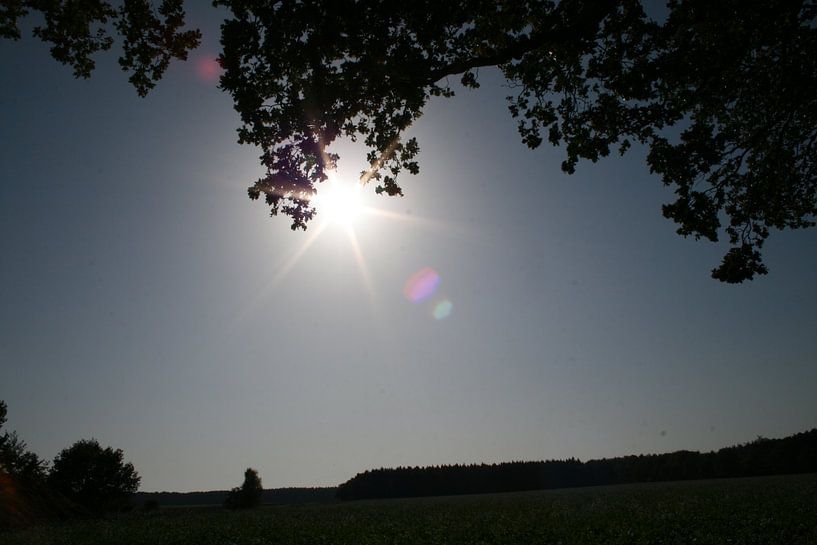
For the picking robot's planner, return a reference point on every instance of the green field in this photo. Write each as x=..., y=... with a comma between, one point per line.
x=773, y=510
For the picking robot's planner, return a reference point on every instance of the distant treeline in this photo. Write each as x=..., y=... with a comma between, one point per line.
x=273, y=496
x=794, y=454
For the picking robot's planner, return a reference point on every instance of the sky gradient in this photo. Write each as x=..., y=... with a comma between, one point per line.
x=147, y=302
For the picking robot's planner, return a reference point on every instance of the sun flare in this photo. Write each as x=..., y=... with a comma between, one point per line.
x=339, y=201
x=340, y=205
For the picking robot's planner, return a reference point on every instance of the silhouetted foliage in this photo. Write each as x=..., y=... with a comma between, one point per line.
x=150, y=36
x=25, y=498
x=25, y=502
x=97, y=478
x=794, y=454
x=150, y=505
x=248, y=495
x=15, y=459
x=720, y=93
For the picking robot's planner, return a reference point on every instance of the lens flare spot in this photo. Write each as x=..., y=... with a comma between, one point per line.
x=421, y=285
x=208, y=69
x=443, y=309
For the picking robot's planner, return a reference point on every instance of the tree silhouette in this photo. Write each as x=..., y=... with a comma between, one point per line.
x=96, y=478
x=15, y=459
x=720, y=93
x=248, y=495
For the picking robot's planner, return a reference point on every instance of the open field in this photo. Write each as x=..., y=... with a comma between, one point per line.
x=773, y=510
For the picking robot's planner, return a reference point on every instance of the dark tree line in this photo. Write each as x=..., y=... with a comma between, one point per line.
x=269, y=496
x=794, y=454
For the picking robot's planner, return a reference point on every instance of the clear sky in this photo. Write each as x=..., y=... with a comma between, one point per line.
x=147, y=302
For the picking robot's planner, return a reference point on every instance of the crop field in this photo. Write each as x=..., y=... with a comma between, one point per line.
x=773, y=510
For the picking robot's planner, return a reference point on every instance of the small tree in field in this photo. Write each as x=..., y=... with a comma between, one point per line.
x=248, y=495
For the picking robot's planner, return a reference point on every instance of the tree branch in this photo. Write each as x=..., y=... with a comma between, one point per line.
x=571, y=21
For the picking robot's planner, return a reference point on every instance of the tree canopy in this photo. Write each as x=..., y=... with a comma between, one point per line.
x=97, y=478
x=149, y=36
x=721, y=94
x=248, y=495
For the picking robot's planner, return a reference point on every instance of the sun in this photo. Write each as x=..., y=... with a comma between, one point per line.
x=340, y=206
x=339, y=201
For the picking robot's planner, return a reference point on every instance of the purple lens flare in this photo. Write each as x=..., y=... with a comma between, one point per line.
x=421, y=285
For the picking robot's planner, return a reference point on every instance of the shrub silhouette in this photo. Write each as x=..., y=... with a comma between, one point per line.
x=248, y=495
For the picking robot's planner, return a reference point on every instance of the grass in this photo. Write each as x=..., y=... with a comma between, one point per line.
x=764, y=510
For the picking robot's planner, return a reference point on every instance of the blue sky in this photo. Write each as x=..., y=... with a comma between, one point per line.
x=147, y=302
